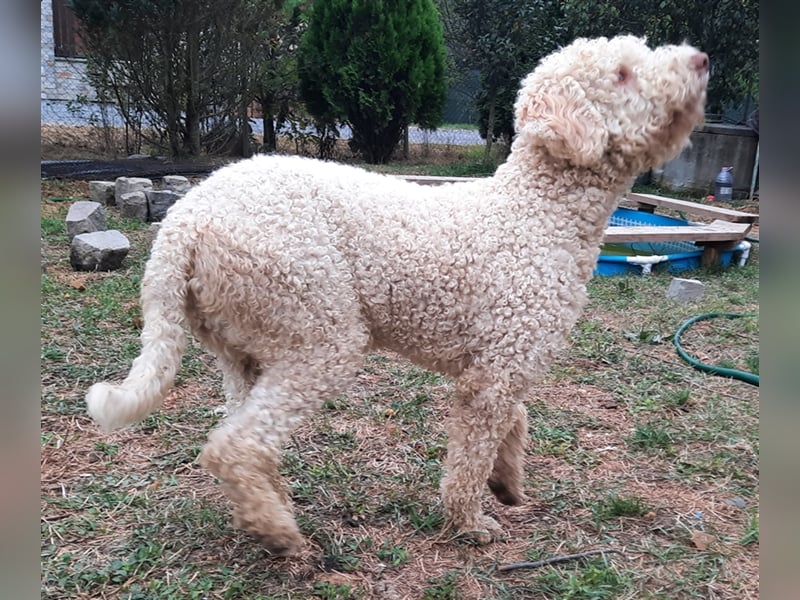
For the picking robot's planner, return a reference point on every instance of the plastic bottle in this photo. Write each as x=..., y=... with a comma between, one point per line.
x=723, y=185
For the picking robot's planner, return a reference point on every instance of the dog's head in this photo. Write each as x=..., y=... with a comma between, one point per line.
x=614, y=102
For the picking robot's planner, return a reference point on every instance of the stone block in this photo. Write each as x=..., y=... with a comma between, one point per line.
x=133, y=205
x=85, y=216
x=126, y=185
x=685, y=290
x=159, y=202
x=98, y=251
x=176, y=183
x=102, y=192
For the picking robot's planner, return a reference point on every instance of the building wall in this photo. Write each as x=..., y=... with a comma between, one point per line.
x=62, y=78
x=713, y=146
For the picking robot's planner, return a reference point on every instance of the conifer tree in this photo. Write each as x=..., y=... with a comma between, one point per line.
x=376, y=65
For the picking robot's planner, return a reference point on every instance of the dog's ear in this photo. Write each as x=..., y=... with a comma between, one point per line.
x=560, y=118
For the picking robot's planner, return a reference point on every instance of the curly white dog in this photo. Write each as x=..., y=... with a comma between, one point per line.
x=289, y=269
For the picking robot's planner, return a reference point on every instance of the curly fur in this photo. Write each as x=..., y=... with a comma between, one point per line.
x=289, y=269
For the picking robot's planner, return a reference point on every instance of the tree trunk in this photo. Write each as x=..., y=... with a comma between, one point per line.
x=490, y=126
x=270, y=143
x=244, y=123
x=192, y=141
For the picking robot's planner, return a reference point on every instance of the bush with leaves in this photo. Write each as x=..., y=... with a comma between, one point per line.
x=376, y=65
x=187, y=69
x=503, y=39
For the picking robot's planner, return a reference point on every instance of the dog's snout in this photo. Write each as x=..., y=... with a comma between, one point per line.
x=700, y=62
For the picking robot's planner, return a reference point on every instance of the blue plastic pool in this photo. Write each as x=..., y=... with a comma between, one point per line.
x=643, y=257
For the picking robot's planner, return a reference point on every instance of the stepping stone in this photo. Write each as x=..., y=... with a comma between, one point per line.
x=85, y=216
x=125, y=185
x=159, y=202
x=102, y=192
x=685, y=290
x=133, y=205
x=98, y=251
x=176, y=183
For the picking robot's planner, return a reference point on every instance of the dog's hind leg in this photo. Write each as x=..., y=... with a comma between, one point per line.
x=245, y=450
x=244, y=453
x=483, y=415
x=505, y=481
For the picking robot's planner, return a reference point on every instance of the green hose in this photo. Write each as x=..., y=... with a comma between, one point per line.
x=745, y=376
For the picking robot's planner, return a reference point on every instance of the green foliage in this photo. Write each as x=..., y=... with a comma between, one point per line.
x=728, y=30
x=392, y=555
x=190, y=68
x=595, y=582
x=443, y=588
x=376, y=65
x=503, y=39
x=751, y=532
x=650, y=436
x=276, y=82
x=618, y=506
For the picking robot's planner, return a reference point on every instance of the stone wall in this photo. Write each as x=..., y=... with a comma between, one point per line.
x=714, y=145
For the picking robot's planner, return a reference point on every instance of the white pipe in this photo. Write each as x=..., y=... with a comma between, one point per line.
x=647, y=262
x=744, y=248
x=755, y=172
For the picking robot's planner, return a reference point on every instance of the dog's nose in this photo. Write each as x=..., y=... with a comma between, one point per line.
x=700, y=62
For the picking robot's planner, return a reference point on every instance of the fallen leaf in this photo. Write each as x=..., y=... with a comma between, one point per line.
x=77, y=282
x=702, y=540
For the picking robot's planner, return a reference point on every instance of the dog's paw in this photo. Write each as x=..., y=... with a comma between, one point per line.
x=279, y=536
x=283, y=546
x=485, y=531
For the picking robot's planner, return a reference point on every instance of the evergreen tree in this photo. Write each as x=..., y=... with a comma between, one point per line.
x=376, y=65
x=503, y=40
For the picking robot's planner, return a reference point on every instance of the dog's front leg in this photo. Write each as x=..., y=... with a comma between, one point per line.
x=481, y=419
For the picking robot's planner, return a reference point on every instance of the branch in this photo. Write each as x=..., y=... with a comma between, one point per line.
x=555, y=559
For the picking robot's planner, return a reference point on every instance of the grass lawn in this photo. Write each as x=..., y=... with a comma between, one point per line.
x=630, y=449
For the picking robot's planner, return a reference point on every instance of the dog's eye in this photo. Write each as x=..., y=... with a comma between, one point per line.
x=624, y=74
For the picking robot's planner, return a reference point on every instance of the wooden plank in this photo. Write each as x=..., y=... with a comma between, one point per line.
x=718, y=231
x=717, y=212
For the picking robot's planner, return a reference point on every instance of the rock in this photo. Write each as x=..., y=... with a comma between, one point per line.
x=98, y=251
x=176, y=183
x=158, y=202
x=125, y=185
x=102, y=192
x=737, y=502
x=133, y=205
x=685, y=290
x=152, y=232
x=85, y=216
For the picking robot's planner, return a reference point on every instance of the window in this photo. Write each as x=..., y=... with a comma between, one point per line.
x=67, y=32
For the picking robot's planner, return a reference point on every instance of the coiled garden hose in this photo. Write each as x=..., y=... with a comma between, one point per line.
x=745, y=376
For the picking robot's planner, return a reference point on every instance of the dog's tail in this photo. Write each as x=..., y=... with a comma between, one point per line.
x=164, y=288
